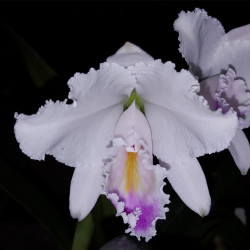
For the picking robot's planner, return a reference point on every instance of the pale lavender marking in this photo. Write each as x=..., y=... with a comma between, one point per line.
x=233, y=91
x=149, y=210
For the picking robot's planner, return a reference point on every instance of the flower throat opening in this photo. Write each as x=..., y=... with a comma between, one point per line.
x=138, y=101
x=131, y=172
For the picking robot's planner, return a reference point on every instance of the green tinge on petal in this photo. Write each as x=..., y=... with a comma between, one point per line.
x=138, y=101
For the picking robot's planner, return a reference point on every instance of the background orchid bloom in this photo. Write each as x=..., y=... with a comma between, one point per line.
x=221, y=62
x=106, y=144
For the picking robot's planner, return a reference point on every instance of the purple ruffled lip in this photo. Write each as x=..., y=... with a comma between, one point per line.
x=225, y=92
x=149, y=210
x=148, y=214
x=139, y=205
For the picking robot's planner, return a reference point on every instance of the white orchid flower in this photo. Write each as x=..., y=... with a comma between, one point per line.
x=214, y=56
x=111, y=149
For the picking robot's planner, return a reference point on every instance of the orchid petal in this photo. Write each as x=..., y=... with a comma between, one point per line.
x=198, y=36
x=189, y=182
x=129, y=54
x=235, y=93
x=241, y=33
x=225, y=91
x=209, y=90
x=180, y=120
x=236, y=55
x=86, y=186
x=78, y=133
x=208, y=50
x=133, y=184
x=240, y=151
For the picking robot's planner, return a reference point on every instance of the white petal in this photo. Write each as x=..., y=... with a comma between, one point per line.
x=240, y=151
x=241, y=33
x=208, y=50
x=189, y=182
x=198, y=35
x=79, y=133
x=182, y=125
x=130, y=54
x=209, y=90
x=86, y=186
x=235, y=55
x=235, y=93
x=225, y=91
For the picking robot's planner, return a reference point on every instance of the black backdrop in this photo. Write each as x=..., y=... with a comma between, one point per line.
x=72, y=37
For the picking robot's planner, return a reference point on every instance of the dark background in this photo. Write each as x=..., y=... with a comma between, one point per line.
x=73, y=37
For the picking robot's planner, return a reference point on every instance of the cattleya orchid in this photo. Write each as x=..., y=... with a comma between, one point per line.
x=122, y=114
x=215, y=57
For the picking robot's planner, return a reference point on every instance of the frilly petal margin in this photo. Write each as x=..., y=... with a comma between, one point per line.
x=189, y=182
x=140, y=210
x=225, y=91
x=86, y=186
x=180, y=120
x=78, y=134
x=210, y=51
x=232, y=54
x=209, y=89
x=236, y=95
x=199, y=35
x=240, y=151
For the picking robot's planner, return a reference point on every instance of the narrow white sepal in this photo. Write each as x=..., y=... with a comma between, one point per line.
x=241, y=33
x=240, y=151
x=189, y=182
x=86, y=186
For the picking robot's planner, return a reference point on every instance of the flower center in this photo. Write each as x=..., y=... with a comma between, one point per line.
x=131, y=172
x=134, y=98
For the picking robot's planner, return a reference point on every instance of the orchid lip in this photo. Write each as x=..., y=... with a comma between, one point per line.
x=134, y=184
